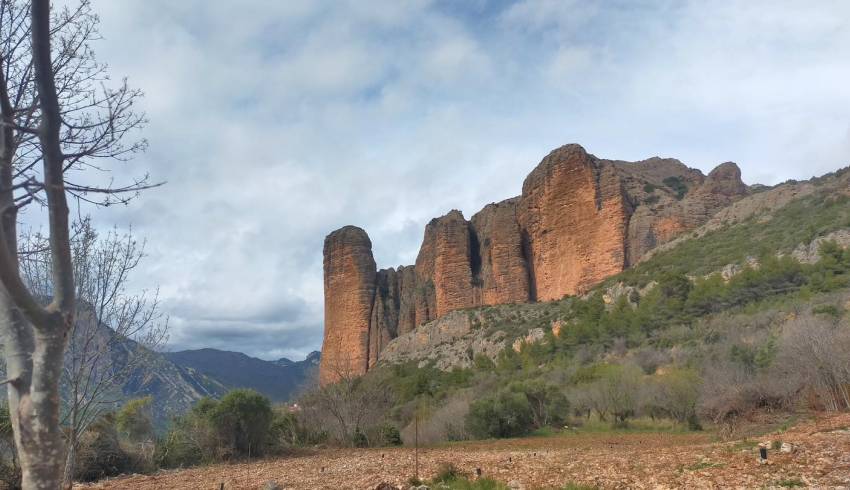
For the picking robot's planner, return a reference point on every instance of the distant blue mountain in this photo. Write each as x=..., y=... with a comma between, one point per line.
x=279, y=380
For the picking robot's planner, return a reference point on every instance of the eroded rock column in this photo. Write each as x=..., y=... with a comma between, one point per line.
x=349, y=294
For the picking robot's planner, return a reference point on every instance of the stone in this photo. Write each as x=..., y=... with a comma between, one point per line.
x=445, y=261
x=350, y=275
x=271, y=485
x=574, y=213
x=500, y=271
x=534, y=336
x=579, y=220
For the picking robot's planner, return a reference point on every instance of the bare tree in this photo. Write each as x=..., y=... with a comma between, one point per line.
x=57, y=117
x=353, y=404
x=815, y=349
x=109, y=321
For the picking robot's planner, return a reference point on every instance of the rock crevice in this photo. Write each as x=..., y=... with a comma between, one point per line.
x=579, y=220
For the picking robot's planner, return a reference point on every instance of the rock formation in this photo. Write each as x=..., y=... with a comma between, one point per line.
x=574, y=213
x=350, y=280
x=579, y=220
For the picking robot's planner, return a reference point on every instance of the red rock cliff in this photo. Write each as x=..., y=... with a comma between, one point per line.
x=579, y=220
x=349, y=295
x=574, y=212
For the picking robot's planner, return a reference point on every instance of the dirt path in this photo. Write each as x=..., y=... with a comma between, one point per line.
x=821, y=458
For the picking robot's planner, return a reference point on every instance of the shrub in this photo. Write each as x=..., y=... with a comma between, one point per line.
x=242, y=420
x=239, y=425
x=390, y=435
x=548, y=404
x=353, y=404
x=100, y=453
x=611, y=390
x=677, y=394
x=134, y=420
x=359, y=439
x=507, y=414
x=677, y=185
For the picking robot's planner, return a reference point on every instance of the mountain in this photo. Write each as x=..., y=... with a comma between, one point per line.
x=177, y=380
x=773, y=261
x=279, y=380
x=173, y=388
x=579, y=220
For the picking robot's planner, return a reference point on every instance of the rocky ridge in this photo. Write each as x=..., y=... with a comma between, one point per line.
x=579, y=220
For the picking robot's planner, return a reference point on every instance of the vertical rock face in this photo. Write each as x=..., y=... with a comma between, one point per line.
x=349, y=294
x=383, y=325
x=407, y=299
x=579, y=220
x=500, y=271
x=445, y=260
x=574, y=214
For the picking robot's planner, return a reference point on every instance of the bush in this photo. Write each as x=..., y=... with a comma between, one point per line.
x=237, y=426
x=677, y=185
x=242, y=420
x=135, y=420
x=676, y=395
x=390, y=435
x=100, y=453
x=359, y=439
x=508, y=414
x=352, y=410
x=611, y=390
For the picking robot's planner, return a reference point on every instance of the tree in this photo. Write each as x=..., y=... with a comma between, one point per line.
x=109, y=321
x=134, y=419
x=57, y=117
x=242, y=419
x=353, y=404
x=507, y=414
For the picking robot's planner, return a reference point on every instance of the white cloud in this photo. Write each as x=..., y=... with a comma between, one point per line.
x=277, y=122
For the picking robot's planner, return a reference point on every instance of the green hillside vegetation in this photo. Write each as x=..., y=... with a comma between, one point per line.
x=693, y=349
x=690, y=351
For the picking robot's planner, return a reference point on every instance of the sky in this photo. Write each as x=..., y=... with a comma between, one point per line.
x=276, y=122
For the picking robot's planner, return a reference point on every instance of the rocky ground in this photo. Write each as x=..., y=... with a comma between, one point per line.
x=820, y=458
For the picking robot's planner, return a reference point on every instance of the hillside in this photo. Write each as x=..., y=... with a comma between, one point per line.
x=792, y=219
x=279, y=380
x=744, y=314
x=579, y=220
x=173, y=388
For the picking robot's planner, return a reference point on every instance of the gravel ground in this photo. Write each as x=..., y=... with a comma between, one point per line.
x=820, y=458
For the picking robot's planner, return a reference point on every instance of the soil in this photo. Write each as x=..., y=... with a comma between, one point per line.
x=820, y=458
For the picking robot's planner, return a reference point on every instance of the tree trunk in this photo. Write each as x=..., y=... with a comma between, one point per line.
x=71, y=458
x=35, y=415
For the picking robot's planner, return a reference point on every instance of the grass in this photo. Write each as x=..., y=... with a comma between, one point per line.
x=642, y=424
x=703, y=465
x=450, y=478
x=746, y=444
x=577, y=486
x=790, y=483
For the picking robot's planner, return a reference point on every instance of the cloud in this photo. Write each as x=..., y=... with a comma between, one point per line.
x=276, y=122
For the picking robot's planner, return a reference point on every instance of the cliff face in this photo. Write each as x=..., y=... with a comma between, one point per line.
x=350, y=281
x=499, y=267
x=579, y=220
x=574, y=213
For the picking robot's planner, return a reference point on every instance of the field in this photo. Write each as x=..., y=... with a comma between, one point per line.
x=820, y=458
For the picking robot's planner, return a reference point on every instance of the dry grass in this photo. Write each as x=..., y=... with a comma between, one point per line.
x=633, y=460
